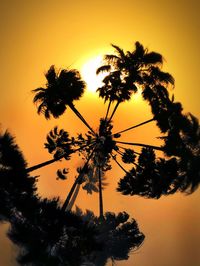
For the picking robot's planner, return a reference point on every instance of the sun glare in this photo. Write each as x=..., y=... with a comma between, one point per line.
x=88, y=72
x=93, y=81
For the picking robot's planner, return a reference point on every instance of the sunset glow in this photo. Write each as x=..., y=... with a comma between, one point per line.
x=88, y=71
x=76, y=35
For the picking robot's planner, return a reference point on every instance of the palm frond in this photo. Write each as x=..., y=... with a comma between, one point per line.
x=40, y=96
x=104, y=68
x=110, y=58
x=61, y=174
x=153, y=58
x=120, y=52
x=162, y=76
x=51, y=75
x=39, y=89
x=41, y=108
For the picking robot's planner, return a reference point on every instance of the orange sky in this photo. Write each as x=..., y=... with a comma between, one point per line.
x=37, y=34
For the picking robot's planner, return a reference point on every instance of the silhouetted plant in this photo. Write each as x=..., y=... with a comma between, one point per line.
x=62, y=88
x=17, y=188
x=150, y=176
x=52, y=234
x=44, y=233
x=118, y=234
x=51, y=237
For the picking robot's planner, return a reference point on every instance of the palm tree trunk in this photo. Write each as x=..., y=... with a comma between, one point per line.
x=40, y=165
x=77, y=181
x=142, y=145
x=143, y=123
x=80, y=117
x=65, y=204
x=101, y=217
x=72, y=201
x=116, y=106
x=108, y=109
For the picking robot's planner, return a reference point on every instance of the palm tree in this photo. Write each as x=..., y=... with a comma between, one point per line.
x=153, y=177
x=129, y=71
x=119, y=236
x=50, y=233
x=48, y=162
x=62, y=88
x=60, y=145
x=126, y=73
x=50, y=237
x=17, y=188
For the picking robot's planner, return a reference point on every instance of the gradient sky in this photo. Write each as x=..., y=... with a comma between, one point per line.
x=36, y=34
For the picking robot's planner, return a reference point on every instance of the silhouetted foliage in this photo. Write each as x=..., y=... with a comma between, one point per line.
x=45, y=234
x=118, y=234
x=62, y=88
x=51, y=237
x=50, y=233
x=16, y=186
x=156, y=177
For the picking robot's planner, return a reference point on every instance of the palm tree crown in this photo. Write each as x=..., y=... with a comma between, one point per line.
x=62, y=88
x=130, y=71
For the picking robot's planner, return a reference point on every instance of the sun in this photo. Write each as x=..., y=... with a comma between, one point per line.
x=93, y=81
x=88, y=73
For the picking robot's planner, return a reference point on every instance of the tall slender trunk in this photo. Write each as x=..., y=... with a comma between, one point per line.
x=76, y=182
x=116, y=106
x=65, y=204
x=108, y=109
x=142, y=145
x=80, y=117
x=143, y=123
x=101, y=217
x=72, y=201
x=40, y=165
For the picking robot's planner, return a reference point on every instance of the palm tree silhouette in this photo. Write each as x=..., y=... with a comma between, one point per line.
x=154, y=177
x=62, y=88
x=129, y=71
x=17, y=188
x=126, y=73
x=119, y=234
x=50, y=237
x=60, y=145
x=49, y=232
x=45, y=234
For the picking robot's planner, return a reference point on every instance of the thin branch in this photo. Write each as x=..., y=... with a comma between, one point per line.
x=108, y=109
x=37, y=166
x=143, y=123
x=76, y=182
x=81, y=117
x=142, y=145
x=137, y=165
x=116, y=106
x=100, y=195
x=138, y=153
x=120, y=152
x=119, y=164
x=72, y=201
x=132, y=162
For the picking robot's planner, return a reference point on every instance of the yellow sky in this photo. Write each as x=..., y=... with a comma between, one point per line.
x=36, y=34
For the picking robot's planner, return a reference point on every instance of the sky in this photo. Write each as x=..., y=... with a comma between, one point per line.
x=37, y=34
